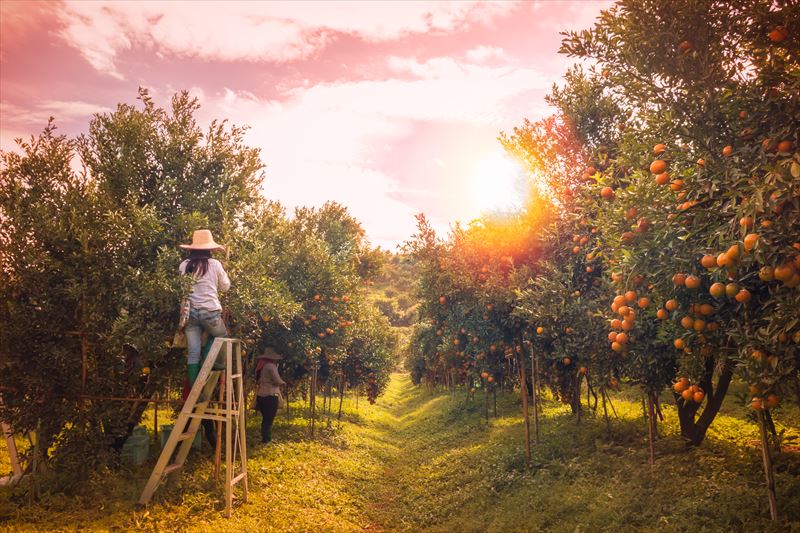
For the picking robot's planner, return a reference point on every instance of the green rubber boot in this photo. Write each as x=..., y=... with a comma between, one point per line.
x=194, y=369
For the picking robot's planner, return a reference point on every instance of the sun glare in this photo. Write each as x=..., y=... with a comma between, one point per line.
x=498, y=184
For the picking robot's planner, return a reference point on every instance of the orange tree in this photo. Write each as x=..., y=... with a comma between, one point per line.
x=301, y=289
x=89, y=262
x=717, y=109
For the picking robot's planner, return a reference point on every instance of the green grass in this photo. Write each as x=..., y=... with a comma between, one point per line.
x=428, y=460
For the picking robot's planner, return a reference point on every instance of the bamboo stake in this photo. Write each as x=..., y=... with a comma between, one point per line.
x=535, y=396
x=341, y=398
x=767, y=463
x=651, y=422
x=313, y=397
x=524, y=392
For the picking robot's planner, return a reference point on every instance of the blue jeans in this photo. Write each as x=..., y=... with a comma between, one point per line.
x=202, y=320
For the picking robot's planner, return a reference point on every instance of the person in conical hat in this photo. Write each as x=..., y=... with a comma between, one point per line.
x=205, y=310
x=269, y=389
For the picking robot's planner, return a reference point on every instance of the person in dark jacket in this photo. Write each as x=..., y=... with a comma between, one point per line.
x=269, y=389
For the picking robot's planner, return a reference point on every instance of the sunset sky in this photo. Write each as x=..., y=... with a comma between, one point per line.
x=391, y=108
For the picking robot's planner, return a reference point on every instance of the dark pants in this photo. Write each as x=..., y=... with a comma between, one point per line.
x=268, y=405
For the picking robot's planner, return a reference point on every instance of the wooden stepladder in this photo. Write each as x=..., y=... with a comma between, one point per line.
x=198, y=407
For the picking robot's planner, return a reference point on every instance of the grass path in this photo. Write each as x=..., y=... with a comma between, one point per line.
x=418, y=460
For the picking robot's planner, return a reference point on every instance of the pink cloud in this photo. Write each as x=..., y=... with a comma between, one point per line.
x=387, y=107
x=252, y=31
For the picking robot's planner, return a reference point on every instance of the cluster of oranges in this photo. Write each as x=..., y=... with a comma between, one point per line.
x=689, y=392
x=623, y=305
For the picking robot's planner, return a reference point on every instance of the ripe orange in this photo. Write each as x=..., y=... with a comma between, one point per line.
x=727, y=151
x=442, y=300
x=676, y=185
x=663, y=178
x=679, y=344
x=622, y=338
x=617, y=347
x=784, y=272
x=750, y=241
x=722, y=259
x=616, y=323
x=699, y=325
x=785, y=146
x=576, y=249
x=717, y=290
x=630, y=296
x=692, y=282
x=708, y=261
x=627, y=325
x=540, y=330
x=698, y=396
x=685, y=47
x=679, y=279
x=607, y=193
x=731, y=290
x=756, y=403
x=658, y=166
x=706, y=309
x=662, y=314
x=631, y=213
x=659, y=149
x=687, y=322
x=671, y=305
x=771, y=401
x=484, y=375
x=619, y=299
x=743, y=296
x=778, y=34
x=678, y=387
x=746, y=222
x=687, y=395
x=701, y=162
x=582, y=370
x=643, y=302
x=732, y=253
x=612, y=336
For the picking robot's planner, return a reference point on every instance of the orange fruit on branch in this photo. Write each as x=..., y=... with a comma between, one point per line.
x=717, y=290
x=658, y=166
x=708, y=261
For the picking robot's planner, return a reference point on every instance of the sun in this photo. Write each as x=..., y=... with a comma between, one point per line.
x=498, y=184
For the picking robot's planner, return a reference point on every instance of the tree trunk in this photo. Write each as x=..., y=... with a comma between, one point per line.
x=694, y=431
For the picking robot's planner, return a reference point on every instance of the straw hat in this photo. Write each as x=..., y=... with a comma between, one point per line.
x=202, y=240
x=269, y=353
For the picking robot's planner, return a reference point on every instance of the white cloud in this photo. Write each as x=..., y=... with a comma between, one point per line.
x=40, y=112
x=481, y=54
x=252, y=31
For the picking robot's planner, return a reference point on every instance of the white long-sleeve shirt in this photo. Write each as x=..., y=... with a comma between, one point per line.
x=206, y=289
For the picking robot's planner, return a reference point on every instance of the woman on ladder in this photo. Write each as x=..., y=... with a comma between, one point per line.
x=205, y=310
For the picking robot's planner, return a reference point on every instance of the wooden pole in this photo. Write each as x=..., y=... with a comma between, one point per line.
x=767, y=463
x=313, y=397
x=535, y=395
x=155, y=418
x=341, y=397
x=486, y=398
x=651, y=422
x=218, y=447
x=524, y=392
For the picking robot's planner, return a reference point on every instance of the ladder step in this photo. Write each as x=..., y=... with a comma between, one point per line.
x=206, y=416
x=171, y=468
x=238, y=478
x=187, y=435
